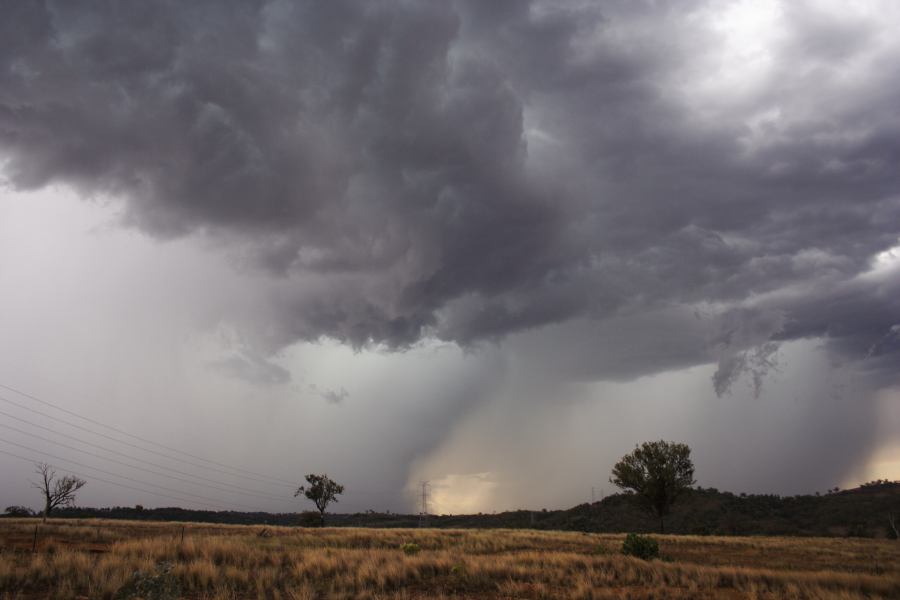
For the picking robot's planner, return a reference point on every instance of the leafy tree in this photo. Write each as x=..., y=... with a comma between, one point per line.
x=657, y=473
x=321, y=490
x=56, y=492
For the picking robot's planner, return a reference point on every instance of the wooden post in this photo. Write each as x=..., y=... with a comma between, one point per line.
x=182, y=534
x=34, y=541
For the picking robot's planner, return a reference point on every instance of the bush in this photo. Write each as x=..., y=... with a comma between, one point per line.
x=309, y=519
x=858, y=530
x=409, y=548
x=601, y=550
x=19, y=511
x=160, y=584
x=641, y=546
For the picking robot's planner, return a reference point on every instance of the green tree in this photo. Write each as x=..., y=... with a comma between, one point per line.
x=321, y=490
x=657, y=473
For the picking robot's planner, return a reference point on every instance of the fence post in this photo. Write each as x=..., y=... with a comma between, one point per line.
x=34, y=541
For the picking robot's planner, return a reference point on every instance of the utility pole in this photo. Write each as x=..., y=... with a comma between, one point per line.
x=593, y=498
x=423, y=513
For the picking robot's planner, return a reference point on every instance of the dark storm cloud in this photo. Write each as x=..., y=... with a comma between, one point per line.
x=470, y=170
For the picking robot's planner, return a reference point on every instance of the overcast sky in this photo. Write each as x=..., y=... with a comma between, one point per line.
x=490, y=245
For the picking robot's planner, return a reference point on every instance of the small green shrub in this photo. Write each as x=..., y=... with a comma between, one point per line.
x=410, y=548
x=641, y=546
x=158, y=585
x=601, y=550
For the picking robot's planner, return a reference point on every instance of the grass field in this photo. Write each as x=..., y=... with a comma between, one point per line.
x=116, y=559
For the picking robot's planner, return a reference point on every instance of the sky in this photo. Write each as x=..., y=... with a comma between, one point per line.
x=487, y=245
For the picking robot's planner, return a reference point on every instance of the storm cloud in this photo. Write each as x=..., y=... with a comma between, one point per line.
x=609, y=190
x=468, y=170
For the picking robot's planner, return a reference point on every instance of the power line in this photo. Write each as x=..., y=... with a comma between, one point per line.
x=122, y=485
x=93, y=477
x=69, y=460
x=140, y=460
x=130, y=445
x=136, y=437
x=238, y=471
x=130, y=466
x=394, y=493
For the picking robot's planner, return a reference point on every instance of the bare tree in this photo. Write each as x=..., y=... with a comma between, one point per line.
x=56, y=492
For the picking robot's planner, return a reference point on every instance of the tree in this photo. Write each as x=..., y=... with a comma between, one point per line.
x=657, y=473
x=321, y=490
x=56, y=492
x=19, y=511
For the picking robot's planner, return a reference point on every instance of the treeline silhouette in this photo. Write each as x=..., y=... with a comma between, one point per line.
x=858, y=512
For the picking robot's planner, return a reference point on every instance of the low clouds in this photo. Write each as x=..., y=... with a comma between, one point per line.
x=330, y=396
x=252, y=369
x=469, y=171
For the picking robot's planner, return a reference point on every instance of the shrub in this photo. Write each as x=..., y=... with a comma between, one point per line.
x=601, y=550
x=309, y=519
x=410, y=548
x=641, y=546
x=19, y=511
x=158, y=585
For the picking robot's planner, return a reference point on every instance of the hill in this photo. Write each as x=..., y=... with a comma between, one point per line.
x=859, y=512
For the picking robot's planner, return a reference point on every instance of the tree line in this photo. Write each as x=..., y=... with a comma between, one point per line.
x=655, y=473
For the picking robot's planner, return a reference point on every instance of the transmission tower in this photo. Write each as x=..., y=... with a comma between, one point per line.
x=423, y=512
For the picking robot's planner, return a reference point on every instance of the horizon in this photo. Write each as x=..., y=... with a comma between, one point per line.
x=335, y=510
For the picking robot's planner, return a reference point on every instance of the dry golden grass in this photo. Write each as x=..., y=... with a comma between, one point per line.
x=99, y=559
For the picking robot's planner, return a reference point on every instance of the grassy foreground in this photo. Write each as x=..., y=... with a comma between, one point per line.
x=116, y=559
